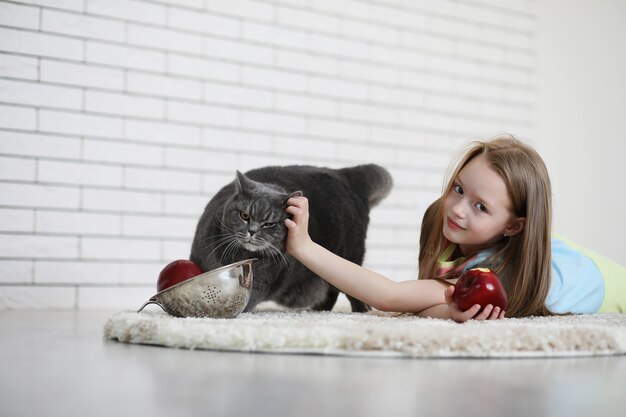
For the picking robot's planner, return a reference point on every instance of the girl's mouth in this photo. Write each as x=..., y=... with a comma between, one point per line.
x=453, y=225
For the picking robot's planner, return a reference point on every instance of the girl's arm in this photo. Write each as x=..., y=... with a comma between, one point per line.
x=426, y=297
x=368, y=286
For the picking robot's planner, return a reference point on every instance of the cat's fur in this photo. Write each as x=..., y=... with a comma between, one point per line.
x=245, y=219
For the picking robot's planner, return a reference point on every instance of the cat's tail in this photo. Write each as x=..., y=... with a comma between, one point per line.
x=370, y=180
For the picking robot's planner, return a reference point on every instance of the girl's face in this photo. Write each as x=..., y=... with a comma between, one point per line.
x=477, y=210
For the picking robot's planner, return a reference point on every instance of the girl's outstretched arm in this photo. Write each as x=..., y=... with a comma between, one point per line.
x=368, y=286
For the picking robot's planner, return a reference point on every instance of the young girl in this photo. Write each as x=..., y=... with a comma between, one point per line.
x=496, y=212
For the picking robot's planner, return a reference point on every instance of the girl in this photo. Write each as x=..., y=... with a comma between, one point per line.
x=496, y=212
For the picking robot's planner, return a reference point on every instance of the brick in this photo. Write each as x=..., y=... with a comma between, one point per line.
x=236, y=140
x=164, y=39
x=213, y=182
x=119, y=249
x=282, y=80
x=191, y=204
x=202, y=68
x=397, y=96
x=176, y=249
x=237, y=51
x=203, y=114
x=76, y=5
x=307, y=19
x=79, y=124
x=140, y=273
x=343, y=130
x=369, y=113
x=200, y=21
x=200, y=159
x=365, y=154
x=19, y=15
x=268, y=121
x=341, y=47
x=428, y=42
x=161, y=132
x=119, y=152
x=76, y=273
x=158, y=226
x=307, y=62
x=154, y=179
x=306, y=105
x=28, y=144
x=275, y=35
x=368, y=31
x=17, y=169
x=79, y=173
x=236, y=95
x=41, y=44
x=35, y=94
x=34, y=246
x=36, y=298
x=14, y=66
x=115, y=298
x=82, y=26
x=197, y=4
x=164, y=86
x=349, y=8
x=36, y=195
x=79, y=223
x=128, y=10
x=310, y=148
x=81, y=75
x=124, y=56
x=249, y=162
x=242, y=9
x=124, y=104
x=16, y=220
x=16, y=272
x=122, y=200
x=17, y=117
x=337, y=88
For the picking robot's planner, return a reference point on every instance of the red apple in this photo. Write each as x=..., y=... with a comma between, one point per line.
x=479, y=286
x=175, y=272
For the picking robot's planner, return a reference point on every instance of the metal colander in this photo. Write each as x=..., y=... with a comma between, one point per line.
x=220, y=293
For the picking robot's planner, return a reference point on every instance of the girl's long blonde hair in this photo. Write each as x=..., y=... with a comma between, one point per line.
x=522, y=261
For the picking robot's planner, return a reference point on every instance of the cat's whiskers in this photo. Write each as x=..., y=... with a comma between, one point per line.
x=220, y=242
x=274, y=252
x=231, y=248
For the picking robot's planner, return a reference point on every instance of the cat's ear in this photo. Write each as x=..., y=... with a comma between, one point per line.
x=294, y=194
x=243, y=183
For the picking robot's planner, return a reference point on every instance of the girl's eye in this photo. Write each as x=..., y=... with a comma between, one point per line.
x=458, y=189
x=244, y=216
x=481, y=207
x=268, y=225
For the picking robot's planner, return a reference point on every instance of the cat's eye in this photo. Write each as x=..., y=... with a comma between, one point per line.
x=244, y=216
x=268, y=225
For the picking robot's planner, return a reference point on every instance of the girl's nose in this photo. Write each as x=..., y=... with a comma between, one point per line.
x=458, y=209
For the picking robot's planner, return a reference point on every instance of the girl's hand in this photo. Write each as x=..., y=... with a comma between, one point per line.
x=298, y=226
x=488, y=313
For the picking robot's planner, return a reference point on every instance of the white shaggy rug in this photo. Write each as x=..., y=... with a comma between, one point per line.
x=376, y=334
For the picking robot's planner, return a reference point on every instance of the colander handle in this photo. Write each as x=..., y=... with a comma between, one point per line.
x=152, y=300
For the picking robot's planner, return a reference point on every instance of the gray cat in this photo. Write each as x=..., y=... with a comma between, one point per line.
x=245, y=219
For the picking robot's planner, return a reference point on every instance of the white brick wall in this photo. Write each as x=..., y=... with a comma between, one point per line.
x=120, y=119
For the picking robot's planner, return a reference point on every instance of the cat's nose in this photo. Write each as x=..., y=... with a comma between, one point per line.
x=252, y=232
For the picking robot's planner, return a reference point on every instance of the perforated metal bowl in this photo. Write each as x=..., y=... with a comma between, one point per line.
x=220, y=293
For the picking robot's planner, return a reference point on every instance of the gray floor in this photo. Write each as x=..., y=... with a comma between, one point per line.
x=57, y=364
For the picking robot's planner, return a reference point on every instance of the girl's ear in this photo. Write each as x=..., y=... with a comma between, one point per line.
x=515, y=227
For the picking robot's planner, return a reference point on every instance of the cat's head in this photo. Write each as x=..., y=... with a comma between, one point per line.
x=255, y=215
